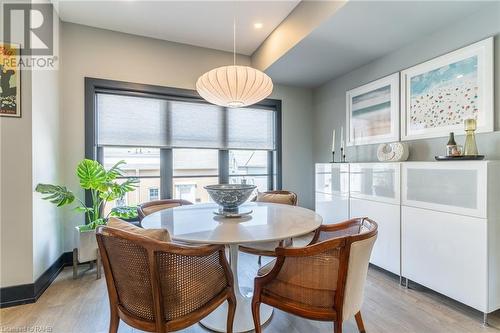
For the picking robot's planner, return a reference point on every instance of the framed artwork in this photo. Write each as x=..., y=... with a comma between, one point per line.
x=10, y=81
x=438, y=95
x=373, y=112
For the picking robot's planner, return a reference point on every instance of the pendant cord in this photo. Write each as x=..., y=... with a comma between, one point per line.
x=234, y=40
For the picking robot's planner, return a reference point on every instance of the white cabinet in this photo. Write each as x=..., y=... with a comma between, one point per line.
x=450, y=231
x=375, y=193
x=332, y=192
x=375, y=181
x=332, y=208
x=387, y=248
x=447, y=253
x=439, y=222
x=454, y=187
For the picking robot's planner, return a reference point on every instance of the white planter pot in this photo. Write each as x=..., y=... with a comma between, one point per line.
x=87, y=245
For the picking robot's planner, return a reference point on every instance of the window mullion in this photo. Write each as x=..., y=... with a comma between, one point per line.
x=166, y=173
x=270, y=170
x=224, y=166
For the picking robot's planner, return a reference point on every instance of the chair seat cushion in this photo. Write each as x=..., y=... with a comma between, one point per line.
x=265, y=248
x=266, y=268
x=155, y=208
x=157, y=234
x=278, y=198
x=302, y=241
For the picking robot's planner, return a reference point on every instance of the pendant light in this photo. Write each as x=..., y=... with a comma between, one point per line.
x=234, y=86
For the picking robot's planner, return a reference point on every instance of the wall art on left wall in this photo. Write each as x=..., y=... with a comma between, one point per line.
x=373, y=112
x=10, y=81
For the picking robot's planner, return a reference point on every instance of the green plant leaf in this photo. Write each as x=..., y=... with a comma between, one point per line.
x=82, y=209
x=124, y=212
x=115, y=171
x=116, y=191
x=58, y=195
x=93, y=225
x=91, y=174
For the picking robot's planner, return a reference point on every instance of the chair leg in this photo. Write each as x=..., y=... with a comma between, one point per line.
x=114, y=320
x=359, y=322
x=337, y=327
x=256, y=316
x=231, y=301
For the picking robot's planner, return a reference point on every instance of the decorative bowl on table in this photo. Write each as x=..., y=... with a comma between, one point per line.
x=229, y=197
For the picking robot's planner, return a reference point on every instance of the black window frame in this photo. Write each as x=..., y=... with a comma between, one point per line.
x=93, y=86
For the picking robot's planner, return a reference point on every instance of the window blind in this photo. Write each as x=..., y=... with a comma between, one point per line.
x=131, y=121
x=153, y=122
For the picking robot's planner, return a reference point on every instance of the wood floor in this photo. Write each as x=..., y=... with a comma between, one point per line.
x=81, y=306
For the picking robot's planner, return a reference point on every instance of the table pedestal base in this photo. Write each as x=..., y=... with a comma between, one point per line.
x=243, y=321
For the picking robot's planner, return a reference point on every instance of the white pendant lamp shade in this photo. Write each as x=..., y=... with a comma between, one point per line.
x=234, y=86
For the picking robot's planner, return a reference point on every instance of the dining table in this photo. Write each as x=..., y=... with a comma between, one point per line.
x=267, y=222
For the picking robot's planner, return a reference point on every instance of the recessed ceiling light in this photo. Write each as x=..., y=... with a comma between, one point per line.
x=257, y=25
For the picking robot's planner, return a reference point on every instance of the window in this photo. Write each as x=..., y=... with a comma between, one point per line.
x=142, y=163
x=154, y=193
x=193, y=169
x=176, y=143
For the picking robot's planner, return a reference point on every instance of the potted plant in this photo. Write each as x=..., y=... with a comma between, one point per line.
x=103, y=187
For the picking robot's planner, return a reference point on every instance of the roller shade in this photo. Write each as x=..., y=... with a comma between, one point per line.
x=154, y=122
x=250, y=129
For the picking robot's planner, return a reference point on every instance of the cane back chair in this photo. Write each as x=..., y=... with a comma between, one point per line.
x=162, y=287
x=322, y=281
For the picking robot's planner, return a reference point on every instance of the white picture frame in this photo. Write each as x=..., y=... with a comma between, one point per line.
x=365, y=101
x=436, y=97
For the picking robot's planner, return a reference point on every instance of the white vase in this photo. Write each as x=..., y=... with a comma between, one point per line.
x=86, y=243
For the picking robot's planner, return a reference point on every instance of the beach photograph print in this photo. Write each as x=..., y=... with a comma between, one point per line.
x=372, y=108
x=445, y=96
x=9, y=82
x=440, y=94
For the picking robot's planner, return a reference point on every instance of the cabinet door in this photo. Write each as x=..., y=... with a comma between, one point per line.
x=387, y=249
x=447, y=253
x=375, y=181
x=453, y=187
x=333, y=208
x=332, y=179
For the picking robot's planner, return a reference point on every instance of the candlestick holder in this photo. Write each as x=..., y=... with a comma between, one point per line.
x=333, y=157
x=342, y=155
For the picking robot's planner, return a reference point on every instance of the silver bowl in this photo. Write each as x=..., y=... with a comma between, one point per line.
x=230, y=196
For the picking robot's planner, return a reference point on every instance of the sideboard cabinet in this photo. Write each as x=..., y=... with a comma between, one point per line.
x=450, y=231
x=439, y=222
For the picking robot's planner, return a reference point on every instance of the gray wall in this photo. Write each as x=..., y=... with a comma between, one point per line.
x=329, y=99
x=30, y=229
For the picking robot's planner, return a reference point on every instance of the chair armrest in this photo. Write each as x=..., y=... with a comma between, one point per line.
x=336, y=228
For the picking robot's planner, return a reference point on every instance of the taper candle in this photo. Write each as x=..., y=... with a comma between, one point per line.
x=342, y=137
x=333, y=140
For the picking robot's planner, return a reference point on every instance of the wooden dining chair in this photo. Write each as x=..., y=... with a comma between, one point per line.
x=150, y=207
x=159, y=286
x=267, y=249
x=322, y=281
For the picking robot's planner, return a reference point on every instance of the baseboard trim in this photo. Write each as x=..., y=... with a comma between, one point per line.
x=29, y=293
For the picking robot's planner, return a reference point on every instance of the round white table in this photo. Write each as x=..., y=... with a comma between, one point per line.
x=268, y=222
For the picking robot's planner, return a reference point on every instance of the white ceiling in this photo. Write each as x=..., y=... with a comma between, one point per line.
x=201, y=23
x=362, y=31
